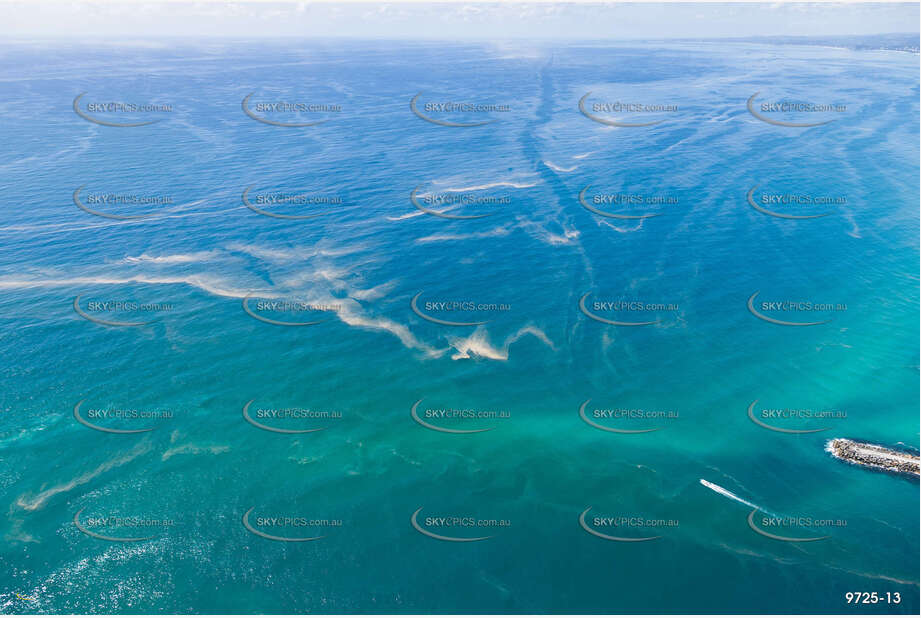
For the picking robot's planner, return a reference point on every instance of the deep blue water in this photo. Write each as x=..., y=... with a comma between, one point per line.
x=535, y=360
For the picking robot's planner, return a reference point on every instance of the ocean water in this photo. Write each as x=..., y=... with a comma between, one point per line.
x=199, y=358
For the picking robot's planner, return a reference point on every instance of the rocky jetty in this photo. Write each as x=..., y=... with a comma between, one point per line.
x=875, y=456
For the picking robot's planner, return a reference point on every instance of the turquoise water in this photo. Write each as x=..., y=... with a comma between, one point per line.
x=534, y=362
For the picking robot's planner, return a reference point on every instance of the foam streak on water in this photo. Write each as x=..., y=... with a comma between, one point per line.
x=725, y=492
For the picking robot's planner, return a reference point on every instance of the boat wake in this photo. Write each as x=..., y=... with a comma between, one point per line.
x=725, y=492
